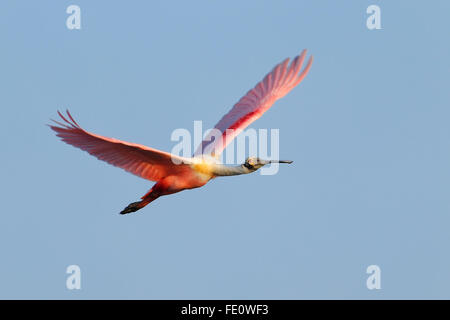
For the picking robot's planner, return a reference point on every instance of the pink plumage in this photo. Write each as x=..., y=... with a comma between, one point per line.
x=275, y=85
x=145, y=162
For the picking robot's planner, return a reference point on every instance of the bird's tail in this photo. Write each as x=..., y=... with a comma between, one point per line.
x=135, y=206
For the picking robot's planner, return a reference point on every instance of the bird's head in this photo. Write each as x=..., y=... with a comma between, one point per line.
x=254, y=163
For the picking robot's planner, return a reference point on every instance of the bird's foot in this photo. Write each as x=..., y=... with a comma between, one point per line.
x=132, y=207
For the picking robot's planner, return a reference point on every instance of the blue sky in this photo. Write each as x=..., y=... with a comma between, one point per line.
x=368, y=131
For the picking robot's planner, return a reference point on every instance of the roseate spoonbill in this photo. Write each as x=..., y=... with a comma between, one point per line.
x=173, y=173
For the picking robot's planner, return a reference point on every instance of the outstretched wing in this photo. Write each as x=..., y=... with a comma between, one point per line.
x=275, y=85
x=145, y=162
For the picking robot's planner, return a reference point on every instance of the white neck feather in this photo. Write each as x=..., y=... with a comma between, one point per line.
x=223, y=170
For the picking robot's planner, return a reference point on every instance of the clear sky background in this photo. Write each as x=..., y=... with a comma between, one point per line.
x=368, y=130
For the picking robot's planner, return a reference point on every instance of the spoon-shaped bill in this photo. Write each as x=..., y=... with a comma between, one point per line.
x=281, y=161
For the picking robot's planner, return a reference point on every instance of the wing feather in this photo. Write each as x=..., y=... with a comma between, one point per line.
x=275, y=85
x=145, y=162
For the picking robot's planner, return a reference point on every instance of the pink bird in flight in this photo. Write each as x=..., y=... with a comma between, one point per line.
x=173, y=173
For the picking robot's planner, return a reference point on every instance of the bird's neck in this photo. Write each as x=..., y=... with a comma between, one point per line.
x=223, y=170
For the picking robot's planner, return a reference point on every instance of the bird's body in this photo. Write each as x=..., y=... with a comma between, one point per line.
x=173, y=173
